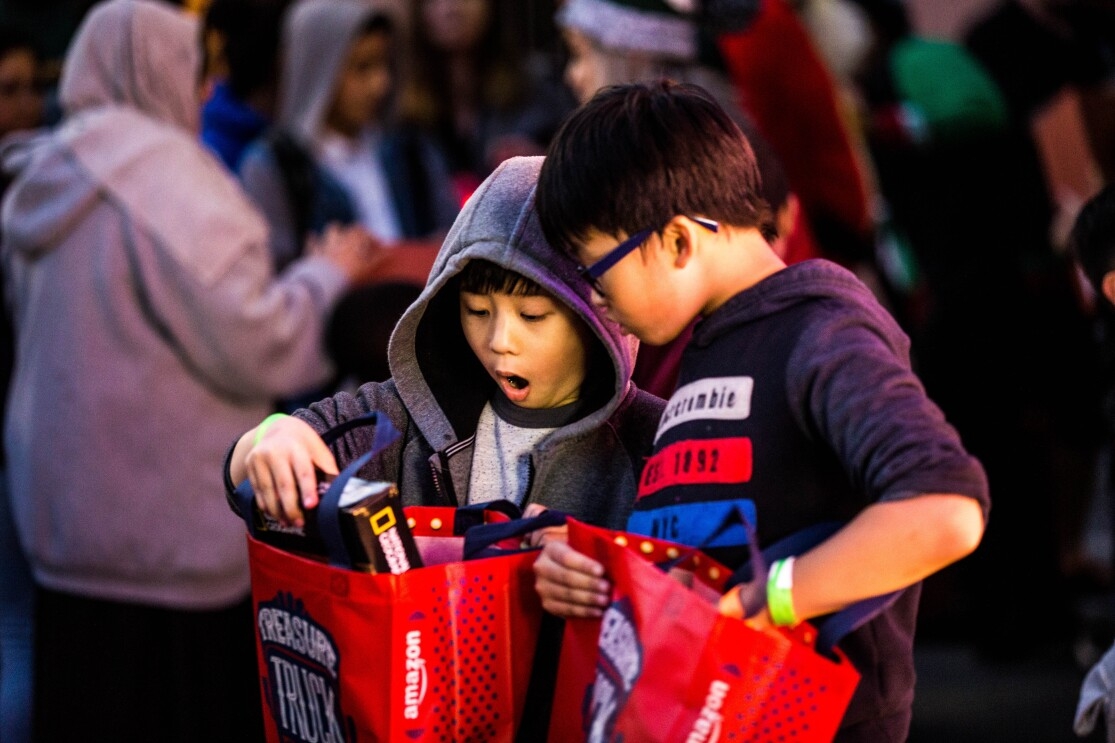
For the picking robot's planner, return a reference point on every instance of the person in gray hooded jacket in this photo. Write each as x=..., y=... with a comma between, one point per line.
x=334, y=153
x=465, y=394
x=150, y=329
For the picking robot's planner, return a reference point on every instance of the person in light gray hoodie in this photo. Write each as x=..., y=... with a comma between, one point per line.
x=150, y=330
x=476, y=418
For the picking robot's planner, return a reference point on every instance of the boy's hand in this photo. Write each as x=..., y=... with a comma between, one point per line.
x=543, y=536
x=570, y=584
x=281, y=468
x=731, y=606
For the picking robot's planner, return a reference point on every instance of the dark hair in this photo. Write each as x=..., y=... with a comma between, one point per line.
x=485, y=277
x=377, y=23
x=637, y=155
x=501, y=81
x=1092, y=240
x=251, y=32
x=14, y=39
x=360, y=326
x=775, y=188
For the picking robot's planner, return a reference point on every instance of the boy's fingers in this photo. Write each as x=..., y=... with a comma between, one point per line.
x=549, y=534
x=286, y=494
x=320, y=455
x=533, y=509
x=562, y=581
x=568, y=593
x=563, y=609
x=557, y=593
x=260, y=478
x=319, y=458
x=564, y=555
x=307, y=484
x=730, y=604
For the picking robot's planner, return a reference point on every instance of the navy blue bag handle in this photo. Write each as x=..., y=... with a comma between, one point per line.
x=328, y=512
x=328, y=521
x=832, y=628
x=472, y=515
x=752, y=577
x=479, y=539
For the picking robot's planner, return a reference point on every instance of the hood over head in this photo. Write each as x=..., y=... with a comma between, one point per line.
x=316, y=38
x=139, y=54
x=130, y=89
x=433, y=368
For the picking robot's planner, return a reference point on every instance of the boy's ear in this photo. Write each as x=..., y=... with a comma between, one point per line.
x=1108, y=286
x=679, y=237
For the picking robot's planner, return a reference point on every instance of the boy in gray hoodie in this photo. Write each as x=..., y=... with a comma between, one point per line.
x=506, y=383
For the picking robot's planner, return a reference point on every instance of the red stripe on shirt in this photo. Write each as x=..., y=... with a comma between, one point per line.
x=697, y=462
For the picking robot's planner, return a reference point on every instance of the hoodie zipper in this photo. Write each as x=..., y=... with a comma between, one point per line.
x=443, y=488
x=530, y=482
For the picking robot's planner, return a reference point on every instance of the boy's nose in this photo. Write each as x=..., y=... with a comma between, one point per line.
x=503, y=338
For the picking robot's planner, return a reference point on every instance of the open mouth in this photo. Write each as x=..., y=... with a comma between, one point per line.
x=516, y=388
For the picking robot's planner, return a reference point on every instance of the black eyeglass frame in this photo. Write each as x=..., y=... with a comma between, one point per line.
x=593, y=273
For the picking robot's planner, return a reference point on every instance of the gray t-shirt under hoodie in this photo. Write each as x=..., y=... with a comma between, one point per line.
x=506, y=434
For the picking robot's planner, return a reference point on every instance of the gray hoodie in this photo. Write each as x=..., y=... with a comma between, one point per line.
x=150, y=327
x=588, y=468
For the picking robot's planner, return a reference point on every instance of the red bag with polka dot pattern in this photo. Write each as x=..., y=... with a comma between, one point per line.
x=664, y=665
x=442, y=652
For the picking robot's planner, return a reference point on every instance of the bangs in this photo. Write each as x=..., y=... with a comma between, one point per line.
x=485, y=277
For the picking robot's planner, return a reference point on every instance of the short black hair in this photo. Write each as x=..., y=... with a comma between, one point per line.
x=637, y=155
x=377, y=23
x=1092, y=240
x=484, y=277
x=13, y=39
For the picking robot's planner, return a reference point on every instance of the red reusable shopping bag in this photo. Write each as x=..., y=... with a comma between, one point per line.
x=664, y=665
x=442, y=652
x=439, y=653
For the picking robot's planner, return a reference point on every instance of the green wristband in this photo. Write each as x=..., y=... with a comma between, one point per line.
x=780, y=598
x=262, y=427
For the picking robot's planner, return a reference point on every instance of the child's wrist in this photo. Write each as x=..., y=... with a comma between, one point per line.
x=780, y=598
x=266, y=423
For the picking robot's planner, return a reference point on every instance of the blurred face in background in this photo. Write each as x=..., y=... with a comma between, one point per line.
x=21, y=103
x=585, y=72
x=455, y=25
x=364, y=85
x=591, y=66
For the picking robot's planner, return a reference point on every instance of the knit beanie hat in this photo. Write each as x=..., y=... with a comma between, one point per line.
x=674, y=29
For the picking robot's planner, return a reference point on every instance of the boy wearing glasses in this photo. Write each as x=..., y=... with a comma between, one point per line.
x=795, y=402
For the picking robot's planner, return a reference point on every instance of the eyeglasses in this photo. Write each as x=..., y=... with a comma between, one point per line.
x=593, y=273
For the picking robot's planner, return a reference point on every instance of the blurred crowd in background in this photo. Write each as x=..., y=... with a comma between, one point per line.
x=939, y=149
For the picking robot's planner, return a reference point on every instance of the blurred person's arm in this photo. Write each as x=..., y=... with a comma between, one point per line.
x=245, y=332
x=263, y=182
